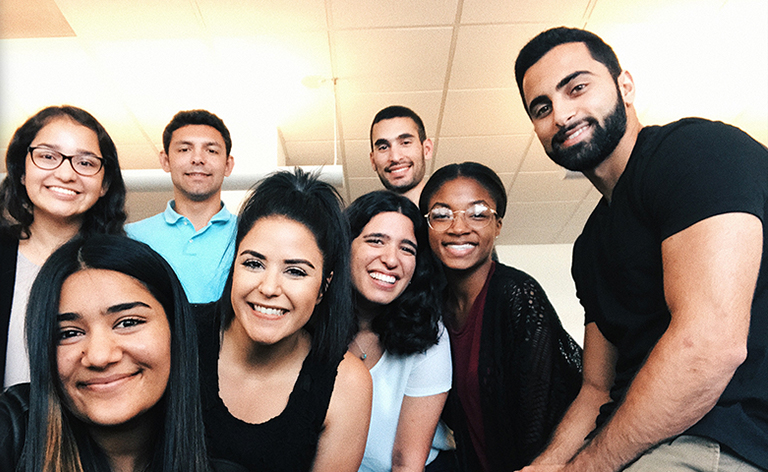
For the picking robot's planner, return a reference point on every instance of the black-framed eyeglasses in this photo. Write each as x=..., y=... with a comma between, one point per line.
x=476, y=216
x=48, y=159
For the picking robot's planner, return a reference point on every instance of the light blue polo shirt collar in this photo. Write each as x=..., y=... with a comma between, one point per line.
x=172, y=217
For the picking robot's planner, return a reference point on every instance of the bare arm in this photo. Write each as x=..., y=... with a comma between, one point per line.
x=415, y=431
x=710, y=272
x=579, y=420
x=342, y=442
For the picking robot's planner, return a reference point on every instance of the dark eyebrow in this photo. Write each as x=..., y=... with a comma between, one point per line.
x=405, y=136
x=380, y=141
x=70, y=316
x=376, y=235
x=563, y=82
x=53, y=147
x=570, y=77
x=299, y=261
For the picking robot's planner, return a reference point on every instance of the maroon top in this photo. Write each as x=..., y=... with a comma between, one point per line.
x=465, y=347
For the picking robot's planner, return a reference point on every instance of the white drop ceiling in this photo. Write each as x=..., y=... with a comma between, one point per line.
x=135, y=63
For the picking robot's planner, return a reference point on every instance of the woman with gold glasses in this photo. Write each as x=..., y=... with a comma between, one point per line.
x=63, y=179
x=515, y=369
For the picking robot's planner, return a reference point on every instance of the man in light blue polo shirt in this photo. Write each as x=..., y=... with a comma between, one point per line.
x=195, y=233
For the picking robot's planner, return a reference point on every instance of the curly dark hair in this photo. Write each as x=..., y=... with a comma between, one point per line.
x=410, y=323
x=106, y=216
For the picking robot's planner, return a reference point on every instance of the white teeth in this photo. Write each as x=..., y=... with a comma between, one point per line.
x=461, y=247
x=384, y=278
x=268, y=311
x=577, y=132
x=63, y=191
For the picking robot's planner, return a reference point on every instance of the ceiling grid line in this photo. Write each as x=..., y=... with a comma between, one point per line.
x=447, y=79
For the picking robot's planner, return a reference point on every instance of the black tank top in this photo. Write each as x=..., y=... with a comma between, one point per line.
x=287, y=442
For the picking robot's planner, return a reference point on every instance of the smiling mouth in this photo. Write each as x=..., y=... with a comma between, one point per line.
x=459, y=249
x=567, y=137
x=63, y=191
x=107, y=383
x=267, y=311
x=389, y=279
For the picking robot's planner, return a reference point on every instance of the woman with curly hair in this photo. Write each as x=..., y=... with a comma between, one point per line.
x=400, y=337
x=63, y=180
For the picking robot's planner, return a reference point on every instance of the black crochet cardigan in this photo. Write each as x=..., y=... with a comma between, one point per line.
x=529, y=372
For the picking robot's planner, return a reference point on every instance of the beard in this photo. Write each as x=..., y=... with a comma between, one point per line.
x=587, y=155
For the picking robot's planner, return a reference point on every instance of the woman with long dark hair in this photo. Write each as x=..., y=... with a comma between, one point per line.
x=63, y=179
x=114, y=384
x=279, y=391
x=400, y=337
x=516, y=369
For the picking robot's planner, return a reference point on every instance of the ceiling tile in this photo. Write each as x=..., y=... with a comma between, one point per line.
x=536, y=160
x=486, y=112
x=133, y=19
x=32, y=19
x=553, y=12
x=485, y=55
x=547, y=187
x=138, y=156
x=309, y=153
x=392, y=13
x=358, y=187
x=540, y=214
x=357, y=159
x=503, y=153
x=513, y=235
x=239, y=18
x=358, y=109
x=408, y=59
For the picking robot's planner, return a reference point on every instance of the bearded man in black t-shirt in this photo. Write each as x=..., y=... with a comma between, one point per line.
x=668, y=269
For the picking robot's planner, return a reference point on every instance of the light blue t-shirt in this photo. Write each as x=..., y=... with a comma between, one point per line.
x=201, y=259
x=415, y=375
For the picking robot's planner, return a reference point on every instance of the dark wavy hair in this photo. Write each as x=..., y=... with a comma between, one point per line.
x=56, y=440
x=481, y=174
x=302, y=197
x=106, y=216
x=196, y=117
x=398, y=111
x=410, y=323
x=553, y=37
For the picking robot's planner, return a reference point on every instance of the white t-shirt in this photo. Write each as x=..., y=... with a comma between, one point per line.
x=415, y=375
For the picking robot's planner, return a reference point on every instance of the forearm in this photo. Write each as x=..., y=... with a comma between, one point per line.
x=577, y=423
x=676, y=387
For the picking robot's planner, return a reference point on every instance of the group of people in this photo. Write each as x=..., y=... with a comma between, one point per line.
x=303, y=335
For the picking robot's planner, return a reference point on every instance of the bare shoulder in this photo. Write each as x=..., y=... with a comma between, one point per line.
x=353, y=375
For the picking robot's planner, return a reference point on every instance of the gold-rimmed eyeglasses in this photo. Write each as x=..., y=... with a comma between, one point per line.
x=48, y=159
x=476, y=216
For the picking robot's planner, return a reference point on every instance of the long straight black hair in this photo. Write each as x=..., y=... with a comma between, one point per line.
x=56, y=440
x=304, y=198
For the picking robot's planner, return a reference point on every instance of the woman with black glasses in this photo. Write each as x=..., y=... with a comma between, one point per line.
x=63, y=179
x=515, y=369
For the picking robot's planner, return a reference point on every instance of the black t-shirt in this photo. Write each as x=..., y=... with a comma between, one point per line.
x=677, y=175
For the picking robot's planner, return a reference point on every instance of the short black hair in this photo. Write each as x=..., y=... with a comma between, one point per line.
x=398, y=111
x=409, y=324
x=551, y=38
x=196, y=117
x=481, y=174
